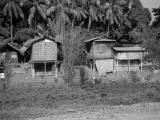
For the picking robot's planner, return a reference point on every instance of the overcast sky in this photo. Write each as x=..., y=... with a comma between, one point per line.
x=151, y=4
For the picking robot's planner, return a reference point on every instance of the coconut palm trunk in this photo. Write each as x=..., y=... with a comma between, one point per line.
x=73, y=21
x=11, y=29
x=89, y=23
x=108, y=28
x=58, y=2
x=12, y=9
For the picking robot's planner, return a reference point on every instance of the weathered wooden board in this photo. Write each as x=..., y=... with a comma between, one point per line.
x=45, y=50
x=102, y=50
x=129, y=55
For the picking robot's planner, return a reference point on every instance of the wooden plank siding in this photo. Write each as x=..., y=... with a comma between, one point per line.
x=45, y=50
x=101, y=50
x=128, y=55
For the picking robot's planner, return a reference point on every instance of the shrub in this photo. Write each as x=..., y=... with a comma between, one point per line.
x=134, y=77
x=82, y=75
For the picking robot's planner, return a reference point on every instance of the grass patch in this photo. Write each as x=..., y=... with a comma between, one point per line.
x=117, y=93
x=46, y=96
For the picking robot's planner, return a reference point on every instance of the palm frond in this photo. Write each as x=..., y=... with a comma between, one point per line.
x=44, y=8
x=41, y=12
x=20, y=12
x=9, y=9
x=51, y=10
x=75, y=13
x=83, y=12
x=67, y=10
x=65, y=17
x=5, y=9
x=111, y=19
x=14, y=9
x=44, y=2
x=116, y=20
x=31, y=15
x=106, y=5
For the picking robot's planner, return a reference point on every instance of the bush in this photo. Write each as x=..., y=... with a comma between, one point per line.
x=134, y=77
x=82, y=75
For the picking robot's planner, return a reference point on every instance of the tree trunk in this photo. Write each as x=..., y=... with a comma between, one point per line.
x=68, y=60
x=108, y=30
x=58, y=2
x=11, y=29
x=89, y=23
x=73, y=22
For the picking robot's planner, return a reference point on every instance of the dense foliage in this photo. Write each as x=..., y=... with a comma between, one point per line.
x=156, y=22
x=120, y=19
x=152, y=44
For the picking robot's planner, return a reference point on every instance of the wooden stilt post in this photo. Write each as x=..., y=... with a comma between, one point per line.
x=45, y=67
x=129, y=65
x=94, y=69
x=141, y=62
x=91, y=64
x=56, y=70
x=33, y=70
x=113, y=65
x=117, y=65
x=116, y=69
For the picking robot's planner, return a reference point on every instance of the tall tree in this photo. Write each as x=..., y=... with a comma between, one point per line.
x=12, y=9
x=38, y=9
x=156, y=22
x=93, y=8
x=78, y=11
x=139, y=14
x=152, y=44
x=59, y=13
x=112, y=14
x=136, y=20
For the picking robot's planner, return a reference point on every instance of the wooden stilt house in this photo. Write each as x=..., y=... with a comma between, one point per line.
x=8, y=53
x=104, y=57
x=128, y=58
x=43, y=57
x=100, y=54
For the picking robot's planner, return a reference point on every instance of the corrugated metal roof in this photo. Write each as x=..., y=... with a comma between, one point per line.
x=128, y=49
x=100, y=39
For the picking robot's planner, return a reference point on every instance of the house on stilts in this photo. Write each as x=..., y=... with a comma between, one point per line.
x=43, y=55
x=104, y=56
x=128, y=58
x=100, y=54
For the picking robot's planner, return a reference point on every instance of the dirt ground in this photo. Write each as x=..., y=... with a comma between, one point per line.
x=147, y=111
x=143, y=111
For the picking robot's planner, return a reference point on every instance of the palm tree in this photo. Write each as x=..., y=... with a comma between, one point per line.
x=60, y=15
x=112, y=15
x=78, y=11
x=12, y=9
x=38, y=7
x=93, y=7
